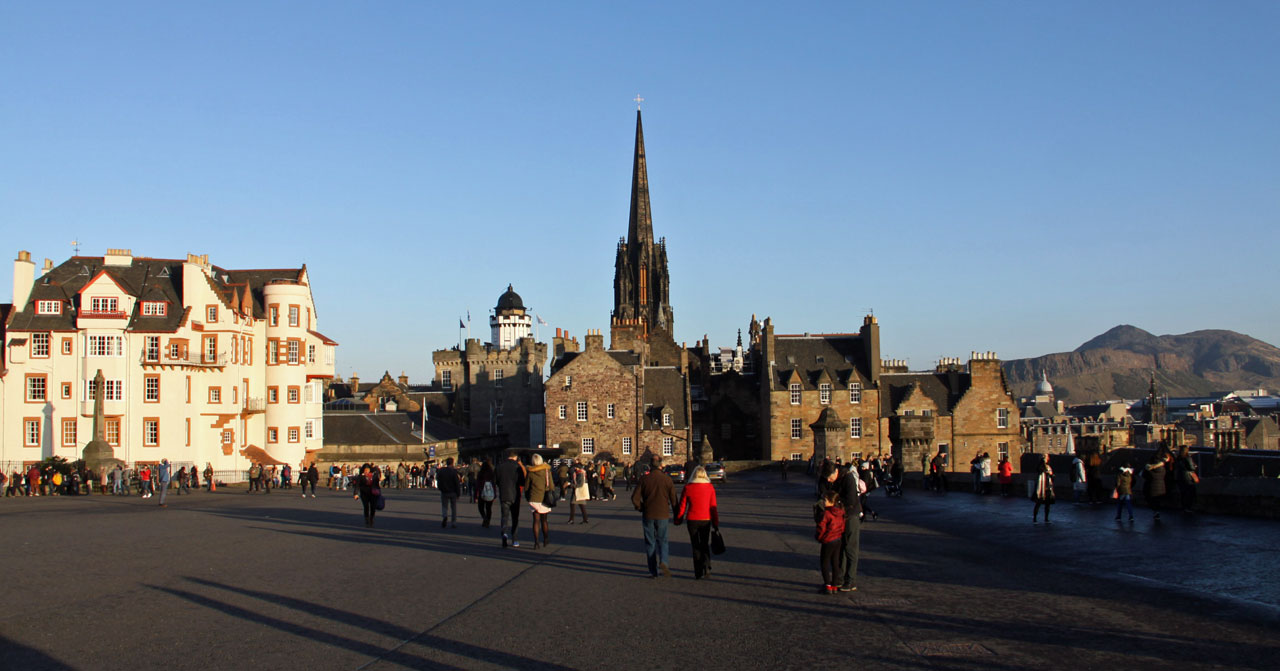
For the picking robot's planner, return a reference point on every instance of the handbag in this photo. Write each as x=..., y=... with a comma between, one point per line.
x=549, y=498
x=380, y=503
x=717, y=542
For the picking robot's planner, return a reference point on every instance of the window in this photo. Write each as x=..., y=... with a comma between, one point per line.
x=273, y=317
x=908, y=413
x=824, y=393
x=48, y=307
x=211, y=314
x=293, y=394
x=228, y=437
x=175, y=350
x=311, y=353
x=497, y=378
x=69, y=433
x=563, y=412
x=273, y=435
x=66, y=390
x=855, y=427
x=151, y=389
x=582, y=411
x=855, y=392
x=150, y=431
x=114, y=390
x=31, y=432
x=112, y=430
x=153, y=309
x=293, y=315
x=37, y=388
x=1002, y=451
x=106, y=345
x=926, y=412
x=293, y=351
x=273, y=394
x=697, y=436
x=668, y=446
x=666, y=419
x=797, y=431
x=588, y=445
x=151, y=348
x=309, y=429
x=1002, y=418
x=273, y=351
x=66, y=345
x=446, y=380
x=40, y=345
x=568, y=381
x=103, y=305
x=626, y=446
x=235, y=395
x=247, y=348
x=795, y=393
x=608, y=411
x=215, y=394
x=309, y=394
x=795, y=456
x=293, y=434
x=211, y=349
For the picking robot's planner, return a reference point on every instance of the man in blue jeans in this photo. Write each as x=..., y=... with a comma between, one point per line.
x=655, y=497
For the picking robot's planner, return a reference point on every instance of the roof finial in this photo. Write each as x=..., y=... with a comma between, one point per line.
x=638, y=100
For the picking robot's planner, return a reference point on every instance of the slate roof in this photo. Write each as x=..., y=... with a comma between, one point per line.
x=624, y=357
x=837, y=355
x=386, y=428
x=146, y=279
x=664, y=387
x=944, y=389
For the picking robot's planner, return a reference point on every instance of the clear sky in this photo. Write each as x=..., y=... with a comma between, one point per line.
x=1007, y=176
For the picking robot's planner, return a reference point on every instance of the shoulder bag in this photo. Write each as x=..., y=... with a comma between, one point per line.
x=717, y=542
x=549, y=498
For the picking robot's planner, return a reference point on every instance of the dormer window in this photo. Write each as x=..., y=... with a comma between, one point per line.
x=154, y=308
x=103, y=305
x=795, y=393
x=666, y=419
x=48, y=307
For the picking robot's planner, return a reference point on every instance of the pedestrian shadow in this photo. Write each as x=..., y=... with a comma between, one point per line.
x=394, y=655
x=14, y=655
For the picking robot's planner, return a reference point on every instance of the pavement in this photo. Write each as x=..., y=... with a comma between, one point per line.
x=956, y=581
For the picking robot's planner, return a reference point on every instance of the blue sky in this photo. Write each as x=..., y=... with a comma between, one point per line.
x=1005, y=176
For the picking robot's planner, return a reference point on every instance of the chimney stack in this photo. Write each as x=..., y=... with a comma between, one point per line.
x=24, y=277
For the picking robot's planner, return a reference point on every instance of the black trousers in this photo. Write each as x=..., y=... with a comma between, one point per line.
x=829, y=562
x=849, y=546
x=370, y=508
x=700, y=541
x=486, y=512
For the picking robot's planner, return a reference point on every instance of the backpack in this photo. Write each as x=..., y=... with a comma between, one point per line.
x=487, y=493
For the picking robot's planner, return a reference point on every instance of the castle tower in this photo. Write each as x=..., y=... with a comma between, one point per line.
x=510, y=321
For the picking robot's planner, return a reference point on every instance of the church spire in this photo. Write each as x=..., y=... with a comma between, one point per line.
x=640, y=226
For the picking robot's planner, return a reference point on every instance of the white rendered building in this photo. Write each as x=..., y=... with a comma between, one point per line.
x=200, y=364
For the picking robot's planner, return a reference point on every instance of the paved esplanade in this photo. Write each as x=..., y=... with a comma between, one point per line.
x=232, y=580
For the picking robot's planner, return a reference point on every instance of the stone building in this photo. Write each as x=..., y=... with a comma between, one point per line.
x=497, y=387
x=200, y=364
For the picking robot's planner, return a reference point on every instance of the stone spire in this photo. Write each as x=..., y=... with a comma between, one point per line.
x=640, y=226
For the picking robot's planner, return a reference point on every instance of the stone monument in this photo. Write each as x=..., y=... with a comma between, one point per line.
x=98, y=453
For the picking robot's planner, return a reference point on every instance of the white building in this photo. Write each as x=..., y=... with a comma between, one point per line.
x=200, y=364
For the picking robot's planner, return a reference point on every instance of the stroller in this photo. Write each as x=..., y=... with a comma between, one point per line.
x=893, y=486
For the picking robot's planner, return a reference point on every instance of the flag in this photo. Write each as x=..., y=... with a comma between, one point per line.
x=460, y=324
x=541, y=320
x=468, y=316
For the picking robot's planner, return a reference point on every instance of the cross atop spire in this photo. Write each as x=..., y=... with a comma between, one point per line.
x=638, y=100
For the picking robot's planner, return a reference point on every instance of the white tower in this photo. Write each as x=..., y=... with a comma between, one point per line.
x=510, y=321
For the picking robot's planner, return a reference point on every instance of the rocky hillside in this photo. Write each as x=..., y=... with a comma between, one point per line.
x=1119, y=364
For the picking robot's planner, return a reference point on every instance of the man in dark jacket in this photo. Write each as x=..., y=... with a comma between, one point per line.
x=655, y=497
x=449, y=482
x=312, y=476
x=509, y=476
x=847, y=486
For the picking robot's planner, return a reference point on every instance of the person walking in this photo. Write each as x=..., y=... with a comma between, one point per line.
x=144, y=477
x=1078, y=482
x=699, y=511
x=581, y=492
x=1006, y=477
x=1153, y=483
x=537, y=485
x=1044, y=495
x=183, y=482
x=782, y=466
x=310, y=477
x=367, y=490
x=985, y=467
x=509, y=477
x=488, y=491
x=849, y=490
x=829, y=533
x=163, y=477
x=286, y=477
x=1124, y=491
x=1187, y=478
x=655, y=498
x=208, y=475
x=449, y=482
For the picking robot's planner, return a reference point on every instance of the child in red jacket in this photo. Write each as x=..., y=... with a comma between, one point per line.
x=829, y=532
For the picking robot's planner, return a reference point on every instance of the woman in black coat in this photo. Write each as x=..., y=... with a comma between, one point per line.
x=367, y=490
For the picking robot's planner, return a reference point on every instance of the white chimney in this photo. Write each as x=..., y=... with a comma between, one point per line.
x=24, y=277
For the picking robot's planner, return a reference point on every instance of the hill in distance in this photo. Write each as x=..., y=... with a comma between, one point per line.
x=1120, y=362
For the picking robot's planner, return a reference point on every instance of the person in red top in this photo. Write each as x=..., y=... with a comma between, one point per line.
x=698, y=508
x=145, y=476
x=829, y=532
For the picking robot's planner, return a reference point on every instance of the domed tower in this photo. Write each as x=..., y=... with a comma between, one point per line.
x=1043, y=388
x=510, y=321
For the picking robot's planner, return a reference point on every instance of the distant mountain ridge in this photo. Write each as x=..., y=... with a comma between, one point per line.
x=1120, y=362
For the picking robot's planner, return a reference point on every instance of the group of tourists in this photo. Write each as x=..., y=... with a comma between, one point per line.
x=143, y=479
x=1167, y=479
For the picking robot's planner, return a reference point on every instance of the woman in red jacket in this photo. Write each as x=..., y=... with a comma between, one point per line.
x=698, y=508
x=829, y=533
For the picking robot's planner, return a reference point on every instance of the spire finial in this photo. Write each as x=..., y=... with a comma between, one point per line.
x=638, y=100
